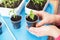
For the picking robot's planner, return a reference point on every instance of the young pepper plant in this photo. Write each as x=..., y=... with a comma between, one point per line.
x=9, y=3
x=38, y=2
x=31, y=15
x=12, y=11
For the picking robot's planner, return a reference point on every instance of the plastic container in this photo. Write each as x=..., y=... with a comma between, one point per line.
x=27, y=10
x=5, y=11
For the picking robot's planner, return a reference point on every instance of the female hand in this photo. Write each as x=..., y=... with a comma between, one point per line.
x=50, y=30
x=47, y=18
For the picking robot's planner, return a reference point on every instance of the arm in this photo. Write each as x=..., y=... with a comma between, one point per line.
x=58, y=38
x=57, y=22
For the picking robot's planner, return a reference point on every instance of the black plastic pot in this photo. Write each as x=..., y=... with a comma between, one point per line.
x=32, y=23
x=16, y=21
x=0, y=28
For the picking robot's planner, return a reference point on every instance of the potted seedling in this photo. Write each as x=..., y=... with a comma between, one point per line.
x=36, y=5
x=32, y=19
x=7, y=5
x=0, y=28
x=16, y=19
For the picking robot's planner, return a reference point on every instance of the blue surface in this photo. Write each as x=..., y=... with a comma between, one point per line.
x=5, y=35
x=22, y=33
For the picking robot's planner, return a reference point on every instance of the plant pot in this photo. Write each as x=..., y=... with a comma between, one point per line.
x=35, y=7
x=32, y=23
x=16, y=21
x=0, y=28
x=5, y=11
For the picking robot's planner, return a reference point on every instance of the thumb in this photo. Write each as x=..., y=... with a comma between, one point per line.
x=39, y=13
x=41, y=23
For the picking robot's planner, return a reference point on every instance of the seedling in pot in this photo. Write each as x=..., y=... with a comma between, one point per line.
x=16, y=19
x=32, y=19
x=32, y=15
x=14, y=13
x=0, y=28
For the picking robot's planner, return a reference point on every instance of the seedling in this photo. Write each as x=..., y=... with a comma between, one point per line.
x=9, y=3
x=12, y=11
x=38, y=2
x=32, y=15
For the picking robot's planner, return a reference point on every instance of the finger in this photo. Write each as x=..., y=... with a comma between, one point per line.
x=34, y=31
x=41, y=23
x=39, y=13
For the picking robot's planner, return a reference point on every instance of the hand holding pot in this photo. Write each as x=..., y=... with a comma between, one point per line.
x=50, y=30
x=47, y=18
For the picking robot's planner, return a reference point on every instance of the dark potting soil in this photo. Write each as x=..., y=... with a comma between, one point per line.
x=17, y=18
x=29, y=19
x=16, y=4
x=0, y=23
x=33, y=6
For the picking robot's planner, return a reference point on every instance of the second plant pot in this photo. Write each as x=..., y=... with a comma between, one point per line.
x=30, y=22
x=16, y=21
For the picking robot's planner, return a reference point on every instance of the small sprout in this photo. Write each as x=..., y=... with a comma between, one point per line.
x=12, y=11
x=32, y=15
x=9, y=3
x=38, y=2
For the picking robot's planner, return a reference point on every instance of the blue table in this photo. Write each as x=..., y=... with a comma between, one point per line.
x=22, y=33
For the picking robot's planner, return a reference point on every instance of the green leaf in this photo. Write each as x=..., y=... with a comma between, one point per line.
x=38, y=1
x=12, y=11
x=32, y=15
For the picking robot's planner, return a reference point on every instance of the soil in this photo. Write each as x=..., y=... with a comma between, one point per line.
x=16, y=4
x=17, y=18
x=0, y=23
x=36, y=6
x=29, y=19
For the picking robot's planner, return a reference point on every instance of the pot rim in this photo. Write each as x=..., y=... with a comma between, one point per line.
x=18, y=20
x=33, y=21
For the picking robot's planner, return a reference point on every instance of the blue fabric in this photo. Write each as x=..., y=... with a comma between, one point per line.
x=5, y=33
x=22, y=33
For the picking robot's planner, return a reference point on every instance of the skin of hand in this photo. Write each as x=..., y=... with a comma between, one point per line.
x=50, y=30
x=47, y=18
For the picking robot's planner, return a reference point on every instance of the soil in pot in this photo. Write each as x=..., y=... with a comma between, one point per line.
x=30, y=22
x=38, y=7
x=14, y=5
x=0, y=28
x=16, y=21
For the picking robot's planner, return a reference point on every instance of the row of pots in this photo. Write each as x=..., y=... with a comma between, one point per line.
x=17, y=22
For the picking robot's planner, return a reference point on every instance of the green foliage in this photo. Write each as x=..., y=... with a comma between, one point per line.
x=12, y=11
x=32, y=15
x=9, y=3
x=38, y=2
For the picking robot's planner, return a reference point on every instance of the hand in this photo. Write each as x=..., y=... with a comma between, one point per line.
x=46, y=18
x=50, y=30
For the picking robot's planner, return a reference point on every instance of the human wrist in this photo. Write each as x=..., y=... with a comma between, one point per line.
x=57, y=19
